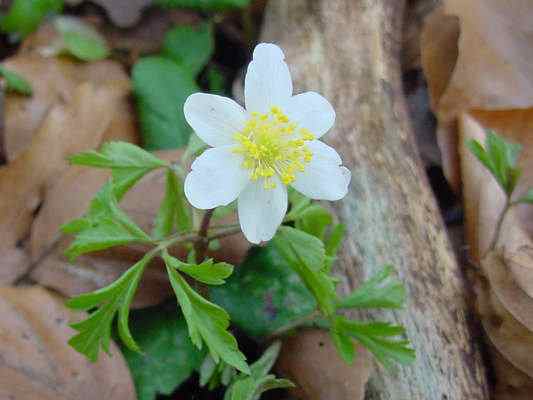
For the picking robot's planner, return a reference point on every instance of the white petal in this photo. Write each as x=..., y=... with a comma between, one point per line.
x=268, y=80
x=312, y=111
x=215, y=119
x=216, y=179
x=323, y=177
x=261, y=210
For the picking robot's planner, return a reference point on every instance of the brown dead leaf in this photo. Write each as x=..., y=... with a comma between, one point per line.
x=491, y=70
x=509, y=294
x=512, y=339
x=511, y=383
x=310, y=360
x=37, y=362
x=54, y=80
x=69, y=198
x=67, y=129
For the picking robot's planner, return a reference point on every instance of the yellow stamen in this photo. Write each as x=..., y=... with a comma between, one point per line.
x=272, y=145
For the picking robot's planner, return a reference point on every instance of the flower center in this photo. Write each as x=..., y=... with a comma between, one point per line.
x=271, y=144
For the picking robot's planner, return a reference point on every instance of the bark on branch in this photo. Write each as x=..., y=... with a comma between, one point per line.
x=348, y=50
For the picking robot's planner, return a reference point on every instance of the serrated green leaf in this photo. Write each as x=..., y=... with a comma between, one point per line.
x=527, y=198
x=128, y=163
x=207, y=323
x=104, y=226
x=376, y=337
x=168, y=357
x=161, y=87
x=264, y=294
x=206, y=5
x=344, y=345
x=207, y=370
x=95, y=331
x=25, y=16
x=80, y=39
x=173, y=211
x=251, y=387
x=382, y=290
x=207, y=272
x=314, y=220
x=190, y=47
x=500, y=158
x=305, y=254
x=300, y=247
x=15, y=82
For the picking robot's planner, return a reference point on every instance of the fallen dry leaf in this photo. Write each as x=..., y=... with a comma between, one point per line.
x=69, y=198
x=511, y=383
x=491, y=69
x=512, y=339
x=67, y=129
x=310, y=360
x=478, y=60
x=37, y=362
x=54, y=79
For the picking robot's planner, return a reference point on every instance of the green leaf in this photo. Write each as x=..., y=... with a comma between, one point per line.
x=207, y=323
x=95, y=331
x=298, y=203
x=344, y=345
x=104, y=226
x=314, y=220
x=128, y=163
x=206, y=5
x=334, y=240
x=306, y=255
x=376, y=337
x=264, y=294
x=300, y=247
x=15, y=82
x=80, y=39
x=207, y=272
x=173, y=211
x=25, y=16
x=161, y=87
x=251, y=387
x=194, y=148
x=382, y=290
x=168, y=359
x=527, y=198
x=190, y=47
x=500, y=158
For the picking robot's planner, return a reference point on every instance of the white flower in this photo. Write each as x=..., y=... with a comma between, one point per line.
x=257, y=152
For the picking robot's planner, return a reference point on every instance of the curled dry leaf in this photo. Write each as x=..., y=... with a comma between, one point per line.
x=37, y=362
x=478, y=68
x=67, y=129
x=511, y=383
x=504, y=286
x=512, y=339
x=310, y=360
x=69, y=199
x=482, y=78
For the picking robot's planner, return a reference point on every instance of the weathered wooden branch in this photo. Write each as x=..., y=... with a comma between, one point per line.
x=348, y=50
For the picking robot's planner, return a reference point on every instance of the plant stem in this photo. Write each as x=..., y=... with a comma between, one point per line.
x=203, y=241
x=499, y=223
x=308, y=320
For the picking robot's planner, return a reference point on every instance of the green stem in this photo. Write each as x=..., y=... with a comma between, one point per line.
x=497, y=231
